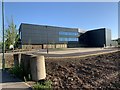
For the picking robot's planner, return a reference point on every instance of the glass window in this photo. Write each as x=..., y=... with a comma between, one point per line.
x=68, y=33
x=68, y=39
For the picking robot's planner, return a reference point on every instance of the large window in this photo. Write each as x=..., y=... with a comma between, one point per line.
x=68, y=39
x=68, y=33
x=68, y=36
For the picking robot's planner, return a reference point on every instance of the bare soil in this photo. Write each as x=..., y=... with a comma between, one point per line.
x=94, y=72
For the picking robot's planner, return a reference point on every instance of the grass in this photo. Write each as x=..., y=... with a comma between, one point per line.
x=46, y=85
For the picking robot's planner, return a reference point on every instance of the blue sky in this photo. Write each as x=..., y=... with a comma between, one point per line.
x=88, y=15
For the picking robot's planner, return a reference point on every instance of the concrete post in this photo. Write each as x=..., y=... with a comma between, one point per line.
x=37, y=65
x=104, y=46
x=26, y=63
x=22, y=59
x=17, y=59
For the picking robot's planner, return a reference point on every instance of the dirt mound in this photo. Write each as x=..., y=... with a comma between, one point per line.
x=102, y=71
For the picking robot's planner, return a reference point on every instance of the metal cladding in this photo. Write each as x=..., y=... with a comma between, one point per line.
x=96, y=38
x=41, y=34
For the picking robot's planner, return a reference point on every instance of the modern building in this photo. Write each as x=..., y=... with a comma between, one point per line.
x=42, y=36
x=96, y=38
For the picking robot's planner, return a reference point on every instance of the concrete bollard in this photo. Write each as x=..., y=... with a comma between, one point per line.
x=37, y=65
x=22, y=59
x=17, y=59
x=25, y=62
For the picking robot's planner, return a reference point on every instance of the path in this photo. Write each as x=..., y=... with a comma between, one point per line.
x=78, y=54
x=11, y=83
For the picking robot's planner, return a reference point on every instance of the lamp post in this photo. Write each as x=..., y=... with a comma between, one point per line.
x=3, y=46
x=47, y=40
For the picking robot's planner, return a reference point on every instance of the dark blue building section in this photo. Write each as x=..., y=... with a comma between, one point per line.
x=96, y=38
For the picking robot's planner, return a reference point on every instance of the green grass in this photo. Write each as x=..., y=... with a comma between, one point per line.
x=43, y=86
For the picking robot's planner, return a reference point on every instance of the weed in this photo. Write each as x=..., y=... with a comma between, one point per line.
x=25, y=79
x=46, y=85
x=18, y=71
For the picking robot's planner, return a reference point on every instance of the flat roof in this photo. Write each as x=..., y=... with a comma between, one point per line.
x=46, y=25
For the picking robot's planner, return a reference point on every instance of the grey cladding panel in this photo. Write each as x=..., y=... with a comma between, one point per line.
x=38, y=34
x=108, y=37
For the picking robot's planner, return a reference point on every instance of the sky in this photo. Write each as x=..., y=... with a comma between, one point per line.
x=83, y=15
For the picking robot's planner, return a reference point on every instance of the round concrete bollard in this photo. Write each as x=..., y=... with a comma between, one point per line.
x=38, y=71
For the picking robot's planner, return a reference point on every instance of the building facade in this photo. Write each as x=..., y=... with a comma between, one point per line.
x=42, y=36
x=96, y=38
x=31, y=34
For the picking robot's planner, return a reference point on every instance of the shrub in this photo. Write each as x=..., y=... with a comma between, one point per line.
x=17, y=71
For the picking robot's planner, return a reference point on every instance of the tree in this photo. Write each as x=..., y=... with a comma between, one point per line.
x=0, y=45
x=11, y=35
x=118, y=41
x=17, y=41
